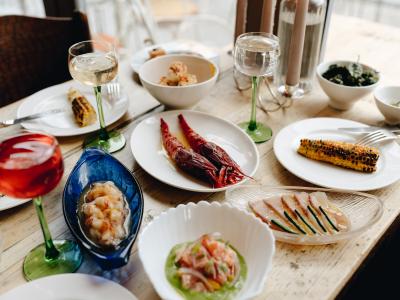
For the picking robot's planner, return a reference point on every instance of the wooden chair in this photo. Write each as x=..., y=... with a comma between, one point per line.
x=34, y=52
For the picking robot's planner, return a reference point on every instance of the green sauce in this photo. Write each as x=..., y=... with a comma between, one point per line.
x=225, y=293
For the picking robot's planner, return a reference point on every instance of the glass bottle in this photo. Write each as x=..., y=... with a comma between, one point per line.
x=312, y=43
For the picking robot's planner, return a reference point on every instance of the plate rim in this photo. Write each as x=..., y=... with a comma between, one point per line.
x=135, y=66
x=82, y=277
x=59, y=131
x=17, y=203
x=332, y=186
x=200, y=190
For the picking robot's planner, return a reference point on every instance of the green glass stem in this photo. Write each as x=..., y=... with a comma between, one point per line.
x=103, y=132
x=51, y=251
x=254, y=95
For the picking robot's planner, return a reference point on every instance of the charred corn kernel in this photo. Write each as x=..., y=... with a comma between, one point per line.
x=347, y=155
x=84, y=112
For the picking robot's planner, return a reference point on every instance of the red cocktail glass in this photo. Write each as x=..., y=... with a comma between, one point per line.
x=31, y=165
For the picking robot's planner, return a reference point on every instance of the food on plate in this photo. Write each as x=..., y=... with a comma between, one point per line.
x=301, y=213
x=342, y=154
x=178, y=75
x=103, y=213
x=208, y=268
x=353, y=75
x=228, y=169
x=84, y=112
x=156, y=52
x=188, y=160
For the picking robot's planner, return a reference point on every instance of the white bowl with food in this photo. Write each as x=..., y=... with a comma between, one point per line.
x=387, y=100
x=342, y=95
x=210, y=248
x=179, y=81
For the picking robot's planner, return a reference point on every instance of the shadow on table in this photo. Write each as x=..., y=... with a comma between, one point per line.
x=377, y=278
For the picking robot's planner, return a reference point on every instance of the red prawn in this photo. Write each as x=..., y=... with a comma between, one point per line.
x=229, y=170
x=188, y=160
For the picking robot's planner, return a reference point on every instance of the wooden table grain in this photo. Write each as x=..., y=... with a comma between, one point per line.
x=298, y=272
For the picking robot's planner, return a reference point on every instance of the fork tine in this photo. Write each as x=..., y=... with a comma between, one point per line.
x=373, y=138
x=118, y=88
x=380, y=140
x=367, y=137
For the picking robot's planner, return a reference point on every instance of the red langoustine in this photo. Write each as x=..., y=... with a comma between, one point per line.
x=188, y=160
x=229, y=170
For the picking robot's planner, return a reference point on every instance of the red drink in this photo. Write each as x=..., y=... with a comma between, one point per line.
x=31, y=165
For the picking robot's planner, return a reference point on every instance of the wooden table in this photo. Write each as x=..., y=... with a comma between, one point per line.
x=298, y=272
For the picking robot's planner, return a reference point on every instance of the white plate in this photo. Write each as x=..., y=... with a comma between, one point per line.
x=178, y=47
x=323, y=174
x=8, y=202
x=69, y=287
x=147, y=147
x=64, y=124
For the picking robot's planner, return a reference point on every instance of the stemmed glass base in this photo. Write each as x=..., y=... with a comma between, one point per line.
x=257, y=131
x=51, y=257
x=260, y=134
x=113, y=142
x=68, y=260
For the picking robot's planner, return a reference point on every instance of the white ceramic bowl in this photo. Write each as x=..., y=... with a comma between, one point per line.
x=179, y=96
x=383, y=97
x=343, y=97
x=252, y=238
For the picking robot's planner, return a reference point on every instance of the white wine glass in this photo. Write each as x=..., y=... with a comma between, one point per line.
x=256, y=55
x=95, y=63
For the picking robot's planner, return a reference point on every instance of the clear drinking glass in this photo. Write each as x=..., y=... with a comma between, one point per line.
x=31, y=165
x=256, y=55
x=95, y=64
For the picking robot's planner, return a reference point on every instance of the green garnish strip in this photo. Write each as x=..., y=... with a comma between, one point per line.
x=283, y=227
x=316, y=218
x=294, y=223
x=327, y=217
x=304, y=221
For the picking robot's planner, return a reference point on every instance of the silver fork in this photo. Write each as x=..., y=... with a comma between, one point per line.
x=375, y=137
x=113, y=91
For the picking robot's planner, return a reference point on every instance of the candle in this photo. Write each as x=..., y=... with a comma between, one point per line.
x=297, y=43
x=241, y=17
x=268, y=13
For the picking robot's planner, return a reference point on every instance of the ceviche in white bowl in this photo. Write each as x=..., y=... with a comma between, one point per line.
x=207, y=251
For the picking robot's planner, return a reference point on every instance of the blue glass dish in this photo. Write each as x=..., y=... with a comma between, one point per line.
x=95, y=165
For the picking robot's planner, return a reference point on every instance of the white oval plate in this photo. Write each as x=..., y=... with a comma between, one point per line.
x=8, y=202
x=147, y=147
x=323, y=174
x=64, y=124
x=177, y=47
x=70, y=286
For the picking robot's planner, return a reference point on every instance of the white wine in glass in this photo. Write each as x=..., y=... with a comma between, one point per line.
x=95, y=64
x=94, y=69
x=256, y=55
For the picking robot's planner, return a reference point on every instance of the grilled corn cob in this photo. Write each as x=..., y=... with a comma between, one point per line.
x=84, y=112
x=347, y=155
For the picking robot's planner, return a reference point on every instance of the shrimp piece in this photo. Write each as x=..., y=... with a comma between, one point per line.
x=188, y=160
x=228, y=170
x=103, y=189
